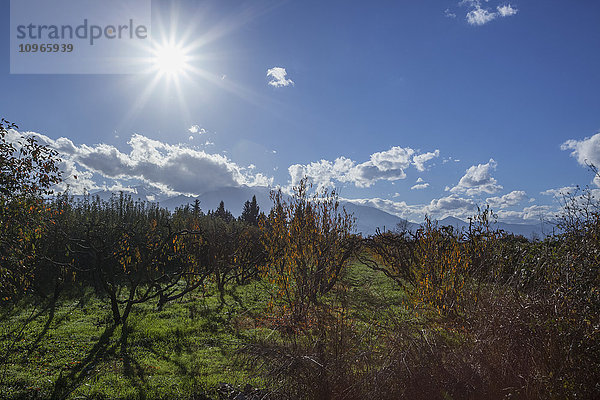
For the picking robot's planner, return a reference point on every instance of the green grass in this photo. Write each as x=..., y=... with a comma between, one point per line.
x=185, y=350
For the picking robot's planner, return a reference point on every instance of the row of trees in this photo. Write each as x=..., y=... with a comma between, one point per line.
x=498, y=315
x=132, y=252
x=486, y=315
x=129, y=251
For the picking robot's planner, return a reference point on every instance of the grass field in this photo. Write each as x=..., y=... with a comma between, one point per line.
x=184, y=351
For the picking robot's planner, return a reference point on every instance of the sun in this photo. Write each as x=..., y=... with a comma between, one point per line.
x=170, y=60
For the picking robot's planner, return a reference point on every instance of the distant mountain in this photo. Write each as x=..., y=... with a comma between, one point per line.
x=528, y=230
x=368, y=218
x=137, y=193
x=235, y=197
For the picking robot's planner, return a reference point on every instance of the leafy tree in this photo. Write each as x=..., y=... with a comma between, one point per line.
x=309, y=243
x=28, y=171
x=131, y=252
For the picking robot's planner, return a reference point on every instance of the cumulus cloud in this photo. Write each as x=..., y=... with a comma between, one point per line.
x=278, y=77
x=420, y=159
x=394, y=159
x=455, y=206
x=478, y=180
x=197, y=129
x=397, y=208
x=452, y=205
x=531, y=214
x=538, y=212
x=384, y=165
x=322, y=173
x=506, y=10
x=511, y=199
x=586, y=152
x=478, y=15
x=173, y=169
x=572, y=195
x=78, y=181
x=560, y=192
x=419, y=186
x=118, y=187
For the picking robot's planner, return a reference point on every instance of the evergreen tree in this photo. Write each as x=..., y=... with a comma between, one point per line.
x=222, y=213
x=196, y=208
x=251, y=212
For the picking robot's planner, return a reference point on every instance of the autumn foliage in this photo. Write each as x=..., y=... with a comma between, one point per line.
x=309, y=243
x=461, y=314
x=27, y=172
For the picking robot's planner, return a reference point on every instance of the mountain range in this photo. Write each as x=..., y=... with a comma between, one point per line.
x=368, y=218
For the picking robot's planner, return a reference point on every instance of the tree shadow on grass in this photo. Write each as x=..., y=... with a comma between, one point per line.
x=132, y=370
x=51, y=308
x=19, y=332
x=66, y=384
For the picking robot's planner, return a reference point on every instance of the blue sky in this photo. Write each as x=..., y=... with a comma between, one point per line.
x=414, y=106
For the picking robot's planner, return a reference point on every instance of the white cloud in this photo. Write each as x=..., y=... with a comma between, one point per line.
x=420, y=160
x=397, y=208
x=537, y=212
x=118, y=187
x=394, y=159
x=171, y=168
x=478, y=180
x=197, y=129
x=322, y=173
x=384, y=165
x=506, y=10
x=445, y=160
x=532, y=214
x=586, y=152
x=455, y=206
x=387, y=165
x=420, y=186
x=511, y=199
x=480, y=16
x=278, y=77
x=449, y=13
x=452, y=205
x=560, y=192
